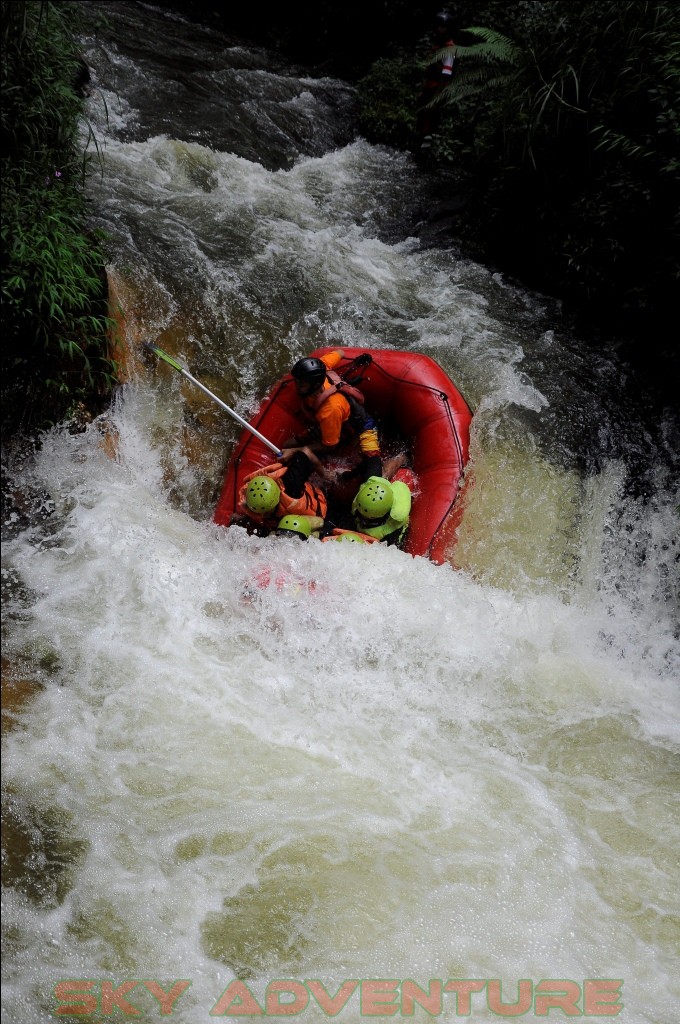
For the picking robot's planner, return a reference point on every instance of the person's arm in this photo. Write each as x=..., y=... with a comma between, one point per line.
x=313, y=458
x=321, y=469
x=334, y=358
x=300, y=468
x=310, y=449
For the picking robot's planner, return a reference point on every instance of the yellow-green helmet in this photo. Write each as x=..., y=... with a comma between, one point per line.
x=296, y=524
x=374, y=498
x=350, y=538
x=262, y=495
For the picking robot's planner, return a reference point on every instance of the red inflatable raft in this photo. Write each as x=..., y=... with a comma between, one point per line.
x=416, y=404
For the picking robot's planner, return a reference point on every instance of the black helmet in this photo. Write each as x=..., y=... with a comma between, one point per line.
x=309, y=371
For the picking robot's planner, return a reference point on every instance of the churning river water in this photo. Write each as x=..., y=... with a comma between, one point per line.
x=402, y=778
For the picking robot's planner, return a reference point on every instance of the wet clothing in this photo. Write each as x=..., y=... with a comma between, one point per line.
x=334, y=385
x=298, y=496
x=341, y=415
x=392, y=527
x=331, y=413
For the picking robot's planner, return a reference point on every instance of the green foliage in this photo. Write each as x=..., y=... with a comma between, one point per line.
x=53, y=283
x=480, y=61
x=484, y=68
x=386, y=98
x=594, y=138
x=563, y=118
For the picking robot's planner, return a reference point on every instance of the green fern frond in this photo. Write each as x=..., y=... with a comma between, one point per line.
x=493, y=47
x=481, y=68
x=459, y=91
x=472, y=81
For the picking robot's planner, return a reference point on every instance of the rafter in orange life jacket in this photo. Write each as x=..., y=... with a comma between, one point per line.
x=338, y=386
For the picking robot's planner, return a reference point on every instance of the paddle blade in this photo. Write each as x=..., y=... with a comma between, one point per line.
x=163, y=355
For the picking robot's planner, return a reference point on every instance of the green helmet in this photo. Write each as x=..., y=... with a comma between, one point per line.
x=296, y=524
x=350, y=538
x=374, y=498
x=262, y=495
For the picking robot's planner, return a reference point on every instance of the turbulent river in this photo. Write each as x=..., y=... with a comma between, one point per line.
x=411, y=775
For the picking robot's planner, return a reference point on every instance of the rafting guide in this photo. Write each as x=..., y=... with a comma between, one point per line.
x=335, y=409
x=376, y=997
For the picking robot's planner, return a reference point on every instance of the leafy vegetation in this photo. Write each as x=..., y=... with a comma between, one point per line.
x=388, y=110
x=56, y=350
x=563, y=120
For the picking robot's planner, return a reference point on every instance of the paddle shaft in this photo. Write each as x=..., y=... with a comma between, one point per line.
x=185, y=373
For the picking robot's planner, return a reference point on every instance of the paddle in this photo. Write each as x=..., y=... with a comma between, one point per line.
x=185, y=373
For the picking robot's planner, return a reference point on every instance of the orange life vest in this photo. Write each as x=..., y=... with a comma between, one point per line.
x=312, y=501
x=337, y=386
